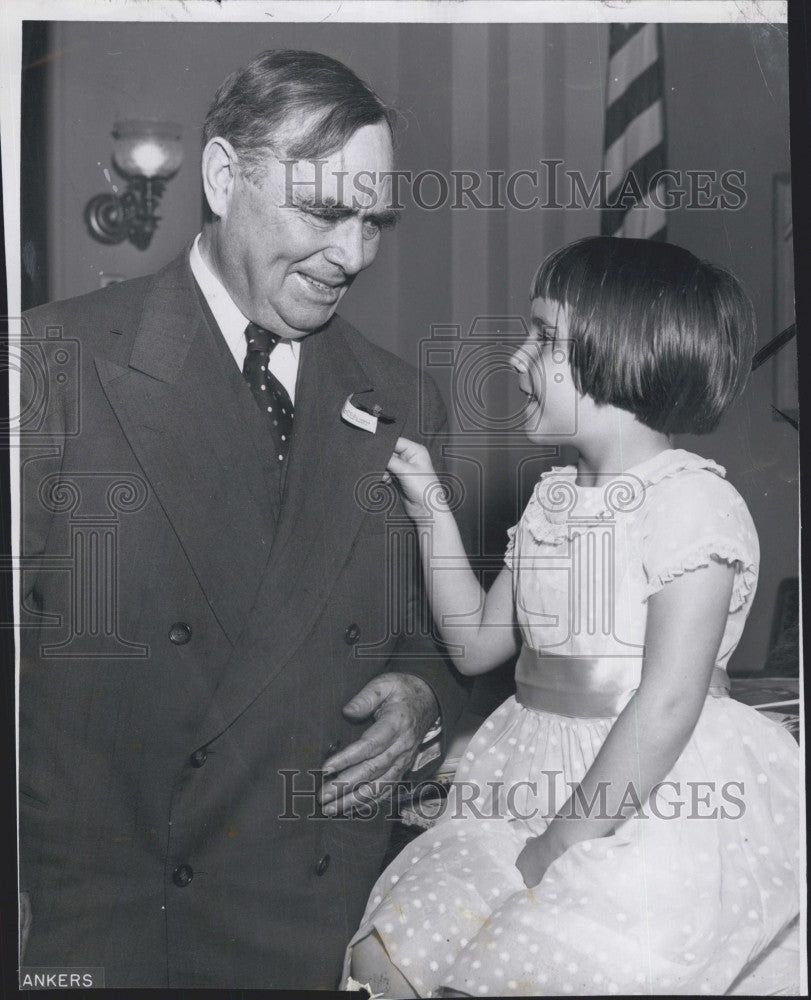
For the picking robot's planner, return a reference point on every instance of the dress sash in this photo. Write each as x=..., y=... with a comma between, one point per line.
x=586, y=687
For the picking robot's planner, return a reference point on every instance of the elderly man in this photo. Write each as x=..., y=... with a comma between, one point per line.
x=221, y=647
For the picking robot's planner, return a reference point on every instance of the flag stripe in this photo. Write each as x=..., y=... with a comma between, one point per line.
x=634, y=58
x=643, y=171
x=642, y=222
x=620, y=34
x=642, y=135
x=643, y=92
x=634, y=136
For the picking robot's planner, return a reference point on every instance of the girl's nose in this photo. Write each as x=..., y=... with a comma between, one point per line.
x=522, y=358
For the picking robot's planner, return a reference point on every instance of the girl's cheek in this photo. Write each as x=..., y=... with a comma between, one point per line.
x=524, y=357
x=538, y=383
x=537, y=370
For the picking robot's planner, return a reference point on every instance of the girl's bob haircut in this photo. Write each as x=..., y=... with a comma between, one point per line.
x=652, y=329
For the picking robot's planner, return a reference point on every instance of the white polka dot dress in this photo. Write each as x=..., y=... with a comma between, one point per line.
x=678, y=902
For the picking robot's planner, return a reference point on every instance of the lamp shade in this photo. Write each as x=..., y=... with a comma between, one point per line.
x=147, y=148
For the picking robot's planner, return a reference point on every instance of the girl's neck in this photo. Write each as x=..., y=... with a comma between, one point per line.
x=624, y=444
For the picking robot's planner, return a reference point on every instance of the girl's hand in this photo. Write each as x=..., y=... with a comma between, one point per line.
x=536, y=856
x=411, y=464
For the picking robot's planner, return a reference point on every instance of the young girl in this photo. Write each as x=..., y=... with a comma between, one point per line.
x=620, y=825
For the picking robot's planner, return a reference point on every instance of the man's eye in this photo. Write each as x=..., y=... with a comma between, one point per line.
x=324, y=214
x=372, y=228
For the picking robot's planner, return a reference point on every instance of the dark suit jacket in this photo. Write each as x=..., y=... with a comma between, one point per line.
x=189, y=637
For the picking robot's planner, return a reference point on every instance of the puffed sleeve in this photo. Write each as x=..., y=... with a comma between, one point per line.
x=692, y=519
x=508, y=554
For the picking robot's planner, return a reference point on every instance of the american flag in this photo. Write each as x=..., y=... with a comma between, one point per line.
x=634, y=144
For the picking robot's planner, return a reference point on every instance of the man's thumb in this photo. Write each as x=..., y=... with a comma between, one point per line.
x=364, y=702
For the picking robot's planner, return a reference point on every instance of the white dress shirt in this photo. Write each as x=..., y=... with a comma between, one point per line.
x=284, y=357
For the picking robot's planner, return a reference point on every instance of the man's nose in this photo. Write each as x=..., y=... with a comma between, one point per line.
x=347, y=248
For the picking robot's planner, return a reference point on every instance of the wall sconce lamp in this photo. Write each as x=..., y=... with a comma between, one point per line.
x=147, y=153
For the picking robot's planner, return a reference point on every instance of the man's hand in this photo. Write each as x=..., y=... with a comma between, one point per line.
x=403, y=707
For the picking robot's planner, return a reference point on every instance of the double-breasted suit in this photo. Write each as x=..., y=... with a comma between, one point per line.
x=191, y=630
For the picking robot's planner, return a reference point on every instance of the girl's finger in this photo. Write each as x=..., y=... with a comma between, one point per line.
x=409, y=450
x=409, y=460
x=402, y=445
x=398, y=465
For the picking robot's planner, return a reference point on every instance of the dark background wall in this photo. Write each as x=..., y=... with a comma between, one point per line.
x=477, y=97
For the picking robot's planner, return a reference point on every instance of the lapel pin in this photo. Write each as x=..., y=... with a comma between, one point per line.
x=376, y=410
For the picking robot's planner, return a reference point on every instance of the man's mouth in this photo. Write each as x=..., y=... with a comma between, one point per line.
x=327, y=290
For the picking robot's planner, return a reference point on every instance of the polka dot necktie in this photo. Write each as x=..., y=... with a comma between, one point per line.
x=267, y=390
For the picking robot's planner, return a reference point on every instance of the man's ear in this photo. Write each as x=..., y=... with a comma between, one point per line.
x=219, y=166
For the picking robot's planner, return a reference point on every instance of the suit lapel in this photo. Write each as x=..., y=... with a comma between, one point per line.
x=321, y=516
x=188, y=417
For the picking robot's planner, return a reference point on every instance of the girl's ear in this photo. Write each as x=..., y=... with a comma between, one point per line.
x=219, y=168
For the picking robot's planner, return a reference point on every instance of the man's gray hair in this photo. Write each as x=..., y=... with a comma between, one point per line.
x=298, y=104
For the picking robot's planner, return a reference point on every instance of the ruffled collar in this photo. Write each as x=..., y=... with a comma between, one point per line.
x=549, y=515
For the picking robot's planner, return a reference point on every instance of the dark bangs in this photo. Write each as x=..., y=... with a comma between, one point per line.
x=653, y=329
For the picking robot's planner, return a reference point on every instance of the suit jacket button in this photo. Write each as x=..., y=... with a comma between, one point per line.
x=334, y=747
x=351, y=634
x=323, y=864
x=180, y=633
x=182, y=875
x=199, y=757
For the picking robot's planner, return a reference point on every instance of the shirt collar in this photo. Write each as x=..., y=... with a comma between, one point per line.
x=230, y=318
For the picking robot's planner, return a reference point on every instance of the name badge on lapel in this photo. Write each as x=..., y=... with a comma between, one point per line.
x=365, y=414
x=359, y=418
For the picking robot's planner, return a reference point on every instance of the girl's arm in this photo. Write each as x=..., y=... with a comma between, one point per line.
x=480, y=625
x=685, y=625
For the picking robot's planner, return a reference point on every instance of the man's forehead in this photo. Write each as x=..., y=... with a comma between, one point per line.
x=294, y=131
x=358, y=174
x=369, y=148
